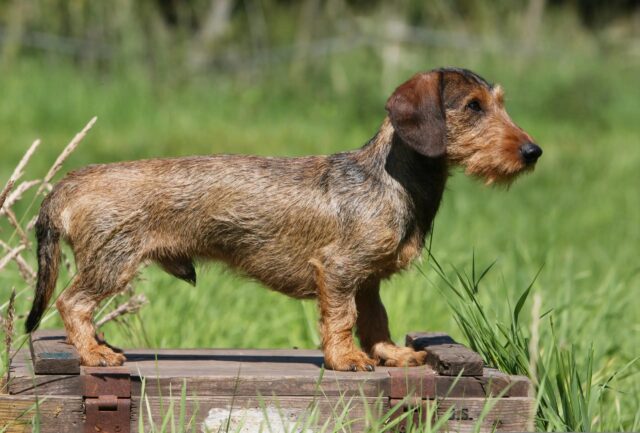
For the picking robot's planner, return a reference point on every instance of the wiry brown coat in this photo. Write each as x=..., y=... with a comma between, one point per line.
x=327, y=227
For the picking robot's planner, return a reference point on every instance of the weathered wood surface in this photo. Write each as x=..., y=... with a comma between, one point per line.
x=495, y=414
x=57, y=414
x=213, y=377
x=282, y=413
x=464, y=414
x=250, y=372
x=51, y=354
x=259, y=385
x=444, y=355
x=216, y=372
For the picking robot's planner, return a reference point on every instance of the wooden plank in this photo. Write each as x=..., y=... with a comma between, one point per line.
x=520, y=386
x=64, y=414
x=251, y=385
x=454, y=360
x=58, y=414
x=491, y=383
x=24, y=382
x=424, y=382
x=302, y=356
x=414, y=381
x=248, y=414
x=209, y=372
x=208, y=375
x=501, y=414
x=55, y=414
x=419, y=340
x=247, y=372
x=464, y=414
x=51, y=354
x=516, y=386
x=465, y=386
x=446, y=356
x=45, y=385
x=243, y=385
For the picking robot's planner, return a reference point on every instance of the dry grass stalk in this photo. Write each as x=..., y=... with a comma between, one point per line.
x=8, y=335
x=65, y=153
x=19, y=170
x=132, y=306
x=32, y=222
x=26, y=271
x=12, y=255
x=535, y=338
x=24, y=239
x=5, y=192
x=57, y=165
x=16, y=195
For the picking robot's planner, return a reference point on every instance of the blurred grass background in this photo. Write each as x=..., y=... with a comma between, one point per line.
x=169, y=78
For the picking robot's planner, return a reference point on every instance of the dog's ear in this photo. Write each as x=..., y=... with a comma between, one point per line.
x=417, y=113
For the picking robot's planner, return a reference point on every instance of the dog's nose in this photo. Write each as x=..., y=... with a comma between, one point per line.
x=530, y=152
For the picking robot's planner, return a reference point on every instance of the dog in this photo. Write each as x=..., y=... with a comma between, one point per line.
x=326, y=227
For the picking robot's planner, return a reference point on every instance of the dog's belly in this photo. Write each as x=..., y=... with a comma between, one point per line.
x=281, y=272
x=277, y=255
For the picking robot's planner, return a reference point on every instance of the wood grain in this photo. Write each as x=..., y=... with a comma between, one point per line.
x=51, y=354
x=287, y=382
x=55, y=414
x=464, y=414
x=446, y=356
x=214, y=372
x=59, y=414
x=494, y=414
x=23, y=381
x=253, y=411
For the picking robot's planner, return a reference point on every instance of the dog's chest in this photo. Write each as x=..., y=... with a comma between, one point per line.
x=402, y=255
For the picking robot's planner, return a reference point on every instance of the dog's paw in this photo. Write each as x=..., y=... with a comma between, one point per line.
x=350, y=361
x=393, y=356
x=101, y=341
x=101, y=356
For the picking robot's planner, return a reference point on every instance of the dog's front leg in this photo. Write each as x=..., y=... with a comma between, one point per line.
x=337, y=319
x=373, y=330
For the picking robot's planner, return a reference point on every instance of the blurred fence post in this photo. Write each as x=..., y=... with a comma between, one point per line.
x=531, y=28
x=216, y=24
x=258, y=33
x=395, y=34
x=308, y=14
x=12, y=39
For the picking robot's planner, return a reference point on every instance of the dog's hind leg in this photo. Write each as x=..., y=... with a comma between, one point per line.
x=76, y=305
x=373, y=330
x=105, y=274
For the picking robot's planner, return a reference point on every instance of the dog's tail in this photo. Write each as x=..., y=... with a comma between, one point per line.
x=48, y=237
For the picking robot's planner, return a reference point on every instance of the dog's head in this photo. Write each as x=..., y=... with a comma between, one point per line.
x=455, y=112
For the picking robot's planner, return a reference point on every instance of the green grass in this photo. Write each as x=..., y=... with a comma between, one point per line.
x=573, y=222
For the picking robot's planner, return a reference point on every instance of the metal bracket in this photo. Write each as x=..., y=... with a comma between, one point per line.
x=107, y=399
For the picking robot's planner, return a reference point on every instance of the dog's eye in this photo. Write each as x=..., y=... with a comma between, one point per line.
x=474, y=105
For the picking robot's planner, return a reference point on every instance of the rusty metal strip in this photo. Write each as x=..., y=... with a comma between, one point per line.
x=107, y=399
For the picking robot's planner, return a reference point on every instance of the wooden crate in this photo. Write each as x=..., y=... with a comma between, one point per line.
x=249, y=387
